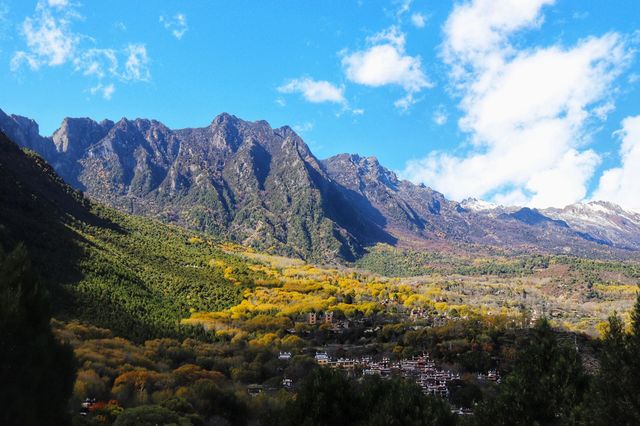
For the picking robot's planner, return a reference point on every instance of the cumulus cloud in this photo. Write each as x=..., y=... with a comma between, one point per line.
x=621, y=184
x=315, y=91
x=176, y=25
x=385, y=62
x=527, y=111
x=51, y=41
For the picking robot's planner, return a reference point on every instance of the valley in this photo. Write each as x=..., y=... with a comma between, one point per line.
x=158, y=315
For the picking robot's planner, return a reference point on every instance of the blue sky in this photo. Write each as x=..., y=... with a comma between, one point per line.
x=530, y=102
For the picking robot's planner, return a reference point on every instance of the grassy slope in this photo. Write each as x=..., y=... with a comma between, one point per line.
x=135, y=276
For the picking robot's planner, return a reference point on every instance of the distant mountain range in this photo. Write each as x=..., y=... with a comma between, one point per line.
x=601, y=221
x=264, y=187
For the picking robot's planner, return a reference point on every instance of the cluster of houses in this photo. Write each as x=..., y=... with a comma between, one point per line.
x=421, y=314
x=425, y=316
x=422, y=369
x=492, y=376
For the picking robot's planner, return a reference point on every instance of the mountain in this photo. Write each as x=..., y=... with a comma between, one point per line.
x=245, y=181
x=599, y=221
x=602, y=220
x=263, y=187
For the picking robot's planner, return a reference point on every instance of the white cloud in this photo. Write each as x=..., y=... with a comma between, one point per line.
x=418, y=20
x=384, y=63
x=603, y=111
x=106, y=63
x=315, y=91
x=403, y=7
x=59, y=3
x=137, y=64
x=484, y=26
x=106, y=91
x=527, y=111
x=621, y=185
x=177, y=24
x=49, y=39
x=97, y=62
x=303, y=127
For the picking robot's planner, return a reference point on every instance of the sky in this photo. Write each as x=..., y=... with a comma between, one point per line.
x=527, y=102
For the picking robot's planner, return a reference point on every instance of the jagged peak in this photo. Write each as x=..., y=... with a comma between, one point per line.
x=106, y=123
x=26, y=123
x=356, y=159
x=263, y=123
x=223, y=117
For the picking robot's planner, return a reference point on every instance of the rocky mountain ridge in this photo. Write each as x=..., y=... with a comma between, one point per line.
x=264, y=187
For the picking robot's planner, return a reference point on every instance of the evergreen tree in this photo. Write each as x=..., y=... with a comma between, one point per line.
x=400, y=402
x=614, y=398
x=327, y=397
x=546, y=387
x=36, y=372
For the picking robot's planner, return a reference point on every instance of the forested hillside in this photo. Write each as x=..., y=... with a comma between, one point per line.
x=135, y=276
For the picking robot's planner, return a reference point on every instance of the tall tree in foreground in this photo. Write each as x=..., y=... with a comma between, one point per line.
x=36, y=372
x=546, y=387
x=615, y=397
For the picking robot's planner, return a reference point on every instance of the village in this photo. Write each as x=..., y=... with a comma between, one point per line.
x=424, y=316
x=421, y=369
x=431, y=379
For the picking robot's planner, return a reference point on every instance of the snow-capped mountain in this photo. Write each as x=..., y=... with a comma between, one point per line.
x=602, y=220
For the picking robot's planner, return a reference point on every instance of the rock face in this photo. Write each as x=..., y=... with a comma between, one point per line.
x=397, y=205
x=262, y=186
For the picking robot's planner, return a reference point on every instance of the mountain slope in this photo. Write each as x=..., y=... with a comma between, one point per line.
x=133, y=275
x=260, y=186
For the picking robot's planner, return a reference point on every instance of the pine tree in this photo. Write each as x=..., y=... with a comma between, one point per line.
x=36, y=372
x=546, y=387
x=615, y=394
